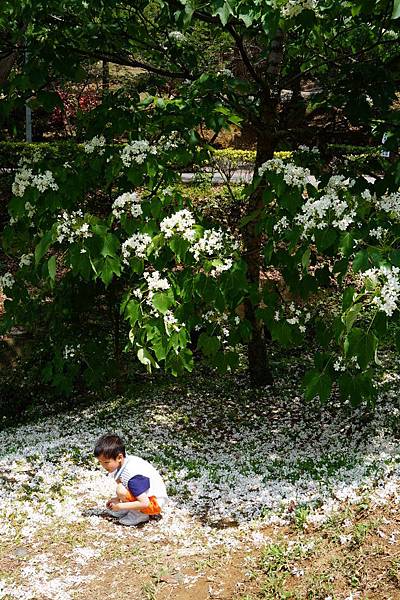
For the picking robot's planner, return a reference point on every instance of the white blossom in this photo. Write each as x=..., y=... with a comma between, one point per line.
x=178, y=37
x=72, y=226
x=292, y=174
x=136, y=152
x=129, y=201
x=25, y=260
x=25, y=178
x=212, y=242
x=155, y=282
x=331, y=207
x=281, y=225
x=70, y=351
x=179, y=223
x=6, y=281
x=377, y=233
x=224, y=266
x=292, y=8
x=136, y=246
x=386, y=283
x=390, y=203
x=97, y=143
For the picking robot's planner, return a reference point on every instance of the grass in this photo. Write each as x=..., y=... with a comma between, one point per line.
x=270, y=497
x=319, y=565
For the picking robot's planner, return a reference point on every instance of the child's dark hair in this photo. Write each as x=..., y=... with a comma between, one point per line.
x=109, y=445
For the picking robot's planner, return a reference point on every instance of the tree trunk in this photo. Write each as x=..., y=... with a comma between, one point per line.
x=260, y=373
x=105, y=77
x=6, y=64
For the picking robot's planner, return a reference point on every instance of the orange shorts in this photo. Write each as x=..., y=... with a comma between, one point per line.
x=152, y=509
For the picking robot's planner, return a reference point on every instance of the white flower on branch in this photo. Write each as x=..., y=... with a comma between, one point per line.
x=97, y=143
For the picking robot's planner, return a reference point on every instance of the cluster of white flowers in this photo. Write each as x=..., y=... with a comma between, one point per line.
x=390, y=203
x=295, y=316
x=171, y=323
x=378, y=233
x=25, y=260
x=225, y=73
x=223, y=265
x=292, y=174
x=35, y=155
x=136, y=152
x=327, y=209
x=386, y=284
x=97, y=143
x=129, y=201
x=178, y=37
x=281, y=225
x=72, y=227
x=222, y=320
x=30, y=210
x=339, y=365
x=179, y=223
x=292, y=8
x=70, y=351
x=213, y=241
x=304, y=148
x=25, y=178
x=6, y=281
x=366, y=195
x=155, y=282
x=170, y=142
x=136, y=246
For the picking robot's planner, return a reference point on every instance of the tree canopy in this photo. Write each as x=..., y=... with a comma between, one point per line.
x=212, y=64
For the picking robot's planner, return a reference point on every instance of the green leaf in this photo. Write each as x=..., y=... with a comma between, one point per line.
x=52, y=267
x=146, y=359
x=43, y=246
x=209, y=345
x=179, y=247
x=133, y=311
x=305, y=259
x=361, y=344
x=110, y=245
x=360, y=262
x=317, y=384
x=396, y=9
x=281, y=332
x=325, y=238
x=162, y=301
x=224, y=11
x=346, y=243
x=348, y=296
x=356, y=388
x=111, y=266
x=350, y=316
x=253, y=216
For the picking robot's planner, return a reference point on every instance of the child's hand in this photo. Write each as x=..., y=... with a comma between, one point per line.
x=116, y=505
x=112, y=501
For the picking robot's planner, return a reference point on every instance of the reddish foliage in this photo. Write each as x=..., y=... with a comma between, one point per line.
x=74, y=101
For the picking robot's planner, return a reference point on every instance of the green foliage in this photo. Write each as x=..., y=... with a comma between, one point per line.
x=108, y=222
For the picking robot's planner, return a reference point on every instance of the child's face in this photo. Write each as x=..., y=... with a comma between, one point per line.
x=111, y=464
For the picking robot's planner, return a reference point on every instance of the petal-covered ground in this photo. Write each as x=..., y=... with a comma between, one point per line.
x=235, y=462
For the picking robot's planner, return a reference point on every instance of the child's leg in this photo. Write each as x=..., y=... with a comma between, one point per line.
x=130, y=517
x=123, y=493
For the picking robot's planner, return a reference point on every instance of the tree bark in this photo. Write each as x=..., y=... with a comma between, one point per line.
x=6, y=64
x=260, y=373
x=105, y=77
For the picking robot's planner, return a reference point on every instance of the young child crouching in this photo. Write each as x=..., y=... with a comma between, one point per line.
x=140, y=489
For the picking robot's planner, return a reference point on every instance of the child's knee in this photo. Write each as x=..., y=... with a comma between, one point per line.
x=122, y=492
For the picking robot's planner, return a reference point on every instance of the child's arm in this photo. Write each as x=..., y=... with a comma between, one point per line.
x=142, y=501
x=112, y=501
